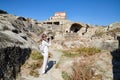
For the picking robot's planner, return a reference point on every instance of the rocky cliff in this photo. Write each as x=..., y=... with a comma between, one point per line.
x=19, y=35
x=14, y=50
x=15, y=43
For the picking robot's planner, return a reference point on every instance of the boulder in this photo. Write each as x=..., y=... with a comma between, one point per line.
x=3, y=12
x=105, y=44
x=14, y=51
x=15, y=46
x=114, y=26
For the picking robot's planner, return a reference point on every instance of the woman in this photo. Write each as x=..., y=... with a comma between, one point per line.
x=46, y=43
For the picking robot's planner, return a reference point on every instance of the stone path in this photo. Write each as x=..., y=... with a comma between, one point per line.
x=52, y=72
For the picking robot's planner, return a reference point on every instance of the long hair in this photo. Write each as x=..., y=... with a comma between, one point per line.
x=44, y=36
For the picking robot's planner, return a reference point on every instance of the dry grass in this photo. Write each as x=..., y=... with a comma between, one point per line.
x=82, y=70
x=113, y=32
x=35, y=55
x=86, y=51
x=34, y=63
x=99, y=34
x=50, y=55
x=109, y=32
x=57, y=65
x=34, y=73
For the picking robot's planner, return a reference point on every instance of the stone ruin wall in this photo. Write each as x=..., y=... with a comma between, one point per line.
x=67, y=28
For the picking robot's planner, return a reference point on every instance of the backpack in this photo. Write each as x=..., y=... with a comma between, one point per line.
x=41, y=48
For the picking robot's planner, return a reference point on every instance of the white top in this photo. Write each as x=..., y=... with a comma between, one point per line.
x=46, y=45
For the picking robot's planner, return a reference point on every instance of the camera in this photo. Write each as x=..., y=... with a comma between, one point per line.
x=51, y=37
x=48, y=39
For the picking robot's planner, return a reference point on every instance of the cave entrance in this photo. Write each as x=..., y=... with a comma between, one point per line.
x=75, y=27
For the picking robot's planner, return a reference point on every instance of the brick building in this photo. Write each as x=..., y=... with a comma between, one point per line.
x=59, y=15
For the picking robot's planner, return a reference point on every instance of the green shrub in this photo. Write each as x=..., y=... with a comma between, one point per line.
x=36, y=65
x=70, y=54
x=35, y=55
x=34, y=73
x=66, y=76
x=99, y=33
x=86, y=51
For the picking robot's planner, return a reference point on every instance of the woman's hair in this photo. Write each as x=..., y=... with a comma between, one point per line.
x=43, y=36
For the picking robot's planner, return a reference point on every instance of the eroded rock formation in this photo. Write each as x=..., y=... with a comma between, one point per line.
x=19, y=35
x=15, y=44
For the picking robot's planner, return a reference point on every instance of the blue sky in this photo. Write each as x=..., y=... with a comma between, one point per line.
x=96, y=12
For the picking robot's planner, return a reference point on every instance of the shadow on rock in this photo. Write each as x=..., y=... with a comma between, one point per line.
x=11, y=60
x=116, y=62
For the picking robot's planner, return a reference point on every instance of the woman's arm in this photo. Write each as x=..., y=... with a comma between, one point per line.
x=47, y=43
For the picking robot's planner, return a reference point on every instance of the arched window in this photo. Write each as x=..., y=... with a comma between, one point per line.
x=75, y=27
